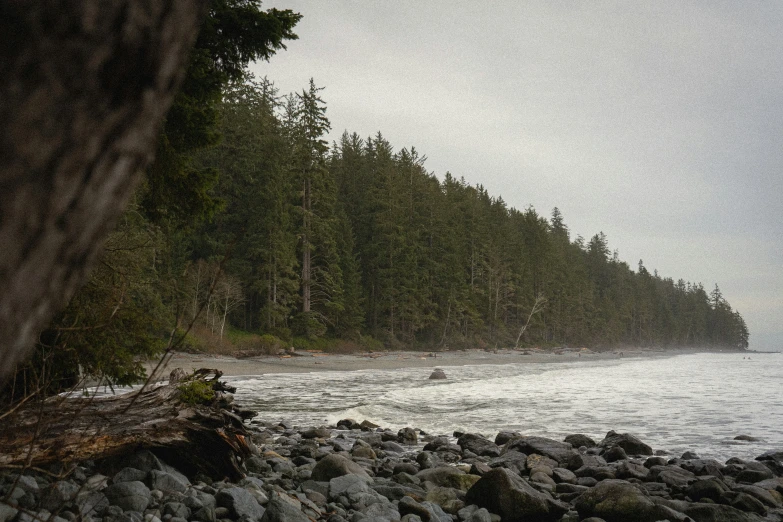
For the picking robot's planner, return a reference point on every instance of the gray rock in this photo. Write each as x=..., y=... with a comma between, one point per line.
x=165, y=482
x=53, y=497
x=176, y=509
x=91, y=502
x=205, y=514
x=628, y=470
x=505, y=436
x=317, y=433
x=407, y=436
x=398, y=492
x=448, y=476
x=381, y=512
x=478, y=445
x=614, y=454
x=129, y=475
x=7, y=513
x=335, y=465
x=130, y=496
x=425, y=510
x=347, y=485
x=710, y=488
x=505, y=493
x=703, y=512
x=513, y=460
x=437, y=373
x=282, y=508
x=479, y=515
x=392, y=447
x=146, y=461
x=561, y=452
x=27, y=483
x=630, y=443
x=239, y=503
x=578, y=440
x=620, y=501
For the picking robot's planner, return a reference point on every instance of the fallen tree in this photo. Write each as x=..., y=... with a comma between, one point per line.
x=191, y=422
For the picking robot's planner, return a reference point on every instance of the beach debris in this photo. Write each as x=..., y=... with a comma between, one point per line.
x=437, y=373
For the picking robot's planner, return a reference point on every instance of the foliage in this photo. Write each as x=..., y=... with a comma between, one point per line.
x=196, y=392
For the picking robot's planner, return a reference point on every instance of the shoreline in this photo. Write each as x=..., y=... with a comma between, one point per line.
x=310, y=362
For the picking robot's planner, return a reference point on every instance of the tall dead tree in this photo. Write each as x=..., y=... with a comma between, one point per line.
x=84, y=87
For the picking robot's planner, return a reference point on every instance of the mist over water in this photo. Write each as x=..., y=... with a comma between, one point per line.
x=694, y=402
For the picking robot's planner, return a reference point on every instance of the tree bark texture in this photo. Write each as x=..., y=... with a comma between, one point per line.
x=195, y=438
x=84, y=88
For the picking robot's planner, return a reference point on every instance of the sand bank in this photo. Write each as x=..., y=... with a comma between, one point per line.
x=303, y=362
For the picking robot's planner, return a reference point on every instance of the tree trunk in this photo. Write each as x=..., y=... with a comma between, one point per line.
x=84, y=87
x=195, y=438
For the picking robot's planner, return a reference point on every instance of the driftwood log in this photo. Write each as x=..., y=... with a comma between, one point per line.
x=209, y=437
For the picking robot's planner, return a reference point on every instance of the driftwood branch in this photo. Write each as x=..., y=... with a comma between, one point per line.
x=208, y=438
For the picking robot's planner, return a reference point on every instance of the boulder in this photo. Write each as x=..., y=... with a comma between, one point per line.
x=631, y=444
x=710, y=488
x=53, y=497
x=614, y=454
x=629, y=469
x=437, y=373
x=424, y=510
x=239, y=502
x=317, y=433
x=621, y=501
x=512, y=460
x=335, y=465
x=505, y=493
x=407, y=436
x=283, y=509
x=448, y=477
x=381, y=512
x=130, y=496
x=578, y=440
x=505, y=436
x=562, y=452
x=7, y=513
x=478, y=445
x=165, y=482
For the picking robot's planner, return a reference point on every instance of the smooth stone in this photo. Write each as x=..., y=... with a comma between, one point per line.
x=335, y=465
x=130, y=496
x=505, y=493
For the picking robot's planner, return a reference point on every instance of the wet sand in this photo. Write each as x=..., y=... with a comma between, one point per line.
x=305, y=362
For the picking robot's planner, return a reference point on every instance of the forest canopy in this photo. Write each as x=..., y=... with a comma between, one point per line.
x=252, y=230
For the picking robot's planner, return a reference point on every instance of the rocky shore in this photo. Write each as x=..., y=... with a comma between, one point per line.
x=360, y=472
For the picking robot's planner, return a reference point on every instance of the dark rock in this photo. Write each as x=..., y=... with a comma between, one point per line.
x=773, y=484
x=505, y=436
x=130, y=496
x=57, y=494
x=176, y=509
x=426, y=460
x=317, y=433
x=562, y=475
x=749, y=504
x=749, y=476
x=407, y=436
x=129, y=475
x=437, y=443
x=479, y=468
x=239, y=503
x=746, y=438
x=628, y=470
x=438, y=374
x=406, y=467
x=448, y=476
x=367, y=425
x=673, y=476
x=631, y=444
x=512, y=460
x=621, y=501
x=614, y=454
x=7, y=513
x=165, y=482
x=578, y=440
x=710, y=488
x=763, y=495
x=502, y=492
x=398, y=492
x=392, y=447
x=381, y=512
x=655, y=461
x=701, y=467
x=562, y=452
x=282, y=508
x=703, y=512
x=478, y=445
x=335, y=465
x=689, y=455
x=426, y=511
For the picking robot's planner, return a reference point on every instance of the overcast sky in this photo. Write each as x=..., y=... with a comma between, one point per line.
x=659, y=123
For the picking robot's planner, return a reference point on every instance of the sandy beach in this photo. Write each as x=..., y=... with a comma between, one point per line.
x=305, y=362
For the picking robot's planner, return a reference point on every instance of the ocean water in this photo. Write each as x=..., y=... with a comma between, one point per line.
x=696, y=402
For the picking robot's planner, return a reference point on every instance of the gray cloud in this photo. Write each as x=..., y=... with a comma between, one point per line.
x=658, y=123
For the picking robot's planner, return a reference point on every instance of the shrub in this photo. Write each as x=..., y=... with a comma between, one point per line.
x=196, y=392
